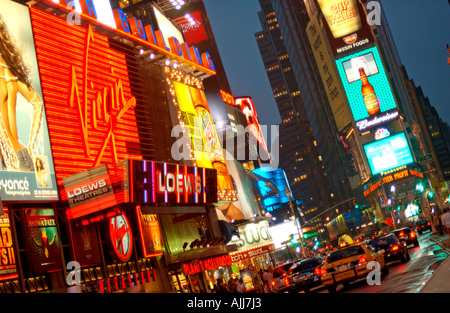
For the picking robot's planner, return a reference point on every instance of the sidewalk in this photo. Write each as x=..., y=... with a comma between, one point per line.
x=440, y=281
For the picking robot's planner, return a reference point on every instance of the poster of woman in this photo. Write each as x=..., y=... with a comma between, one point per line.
x=26, y=163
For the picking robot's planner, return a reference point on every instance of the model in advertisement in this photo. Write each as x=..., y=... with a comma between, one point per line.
x=14, y=155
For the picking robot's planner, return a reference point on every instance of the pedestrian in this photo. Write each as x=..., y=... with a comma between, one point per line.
x=258, y=282
x=437, y=223
x=240, y=286
x=267, y=278
x=446, y=220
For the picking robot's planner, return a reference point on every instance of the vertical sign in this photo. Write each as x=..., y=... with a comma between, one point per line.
x=8, y=269
x=330, y=80
x=43, y=240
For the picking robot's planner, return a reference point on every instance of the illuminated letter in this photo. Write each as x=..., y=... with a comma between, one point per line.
x=175, y=46
x=88, y=6
x=194, y=51
x=160, y=40
x=161, y=188
x=185, y=50
x=137, y=28
x=149, y=30
x=121, y=20
x=184, y=135
x=207, y=61
x=198, y=184
x=170, y=185
x=180, y=183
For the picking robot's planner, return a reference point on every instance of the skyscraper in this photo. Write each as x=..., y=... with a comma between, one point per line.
x=310, y=152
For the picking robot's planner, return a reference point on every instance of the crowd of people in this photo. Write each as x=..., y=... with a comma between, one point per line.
x=261, y=283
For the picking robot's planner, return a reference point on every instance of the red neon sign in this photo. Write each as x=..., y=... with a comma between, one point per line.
x=87, y=96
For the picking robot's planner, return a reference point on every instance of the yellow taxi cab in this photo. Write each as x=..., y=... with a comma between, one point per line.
x=350, y=263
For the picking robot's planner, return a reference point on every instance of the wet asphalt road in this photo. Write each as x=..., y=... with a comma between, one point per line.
x=409, y=277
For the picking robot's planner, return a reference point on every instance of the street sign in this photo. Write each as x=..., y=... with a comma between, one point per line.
x=426, y=159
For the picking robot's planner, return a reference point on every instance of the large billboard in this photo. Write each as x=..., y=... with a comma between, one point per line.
x=346, y=25
x=368, y=90
x=388, y=153
x=26, y=165
x=273, y=188
x=88, y=99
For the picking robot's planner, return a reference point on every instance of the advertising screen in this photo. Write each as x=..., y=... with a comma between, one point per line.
x=346, y=25
x=272, y=187
x=281, y=232
x=388, y=153
x=26, y=165
x=367, y=87
x=150, y=232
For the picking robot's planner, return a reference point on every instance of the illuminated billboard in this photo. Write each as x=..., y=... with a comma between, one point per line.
x=346, y=25
x=88, y=99
x=272, y=186
x=367, y=87
x=26, y=165
x=388, y=153
x=281, y=233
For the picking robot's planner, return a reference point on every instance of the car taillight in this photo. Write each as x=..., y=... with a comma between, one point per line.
x=362, y=259
x=286, y=281
x=284, y=274
x=273, y=283
x=317, y=271
x=412, y=234
x=395, y=247
x=402, y=233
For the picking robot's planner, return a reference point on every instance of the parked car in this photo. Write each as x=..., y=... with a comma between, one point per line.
x=349, y=264
x=407, y=235
x=423, y=225
x=279, y=275
x=391, y=248
x=305, y=275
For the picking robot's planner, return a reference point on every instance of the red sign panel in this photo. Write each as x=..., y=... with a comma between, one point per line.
x=8, y=269
x=198, y=266
x=88, y=100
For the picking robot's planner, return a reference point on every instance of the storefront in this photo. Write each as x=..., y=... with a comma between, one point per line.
x=82, y=210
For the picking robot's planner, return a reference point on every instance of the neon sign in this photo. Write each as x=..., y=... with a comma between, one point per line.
x=155, y=182
x=121, y=237
x=88, y=100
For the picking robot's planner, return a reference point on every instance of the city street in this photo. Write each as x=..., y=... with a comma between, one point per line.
x=409, y=277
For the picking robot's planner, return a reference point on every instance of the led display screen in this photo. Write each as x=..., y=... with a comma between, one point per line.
x=281, y=233
x=272, y=187
x=388, y=153
x=26, y=164
x=349, y=70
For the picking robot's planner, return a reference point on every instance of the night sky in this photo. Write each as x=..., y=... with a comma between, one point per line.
x=420, y=28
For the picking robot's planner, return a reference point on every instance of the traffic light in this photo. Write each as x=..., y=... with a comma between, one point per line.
x=430, y=195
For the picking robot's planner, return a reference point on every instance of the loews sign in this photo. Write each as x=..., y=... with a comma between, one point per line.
x=176, y=184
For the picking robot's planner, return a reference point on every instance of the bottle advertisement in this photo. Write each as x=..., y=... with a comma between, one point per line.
x=367, y=88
